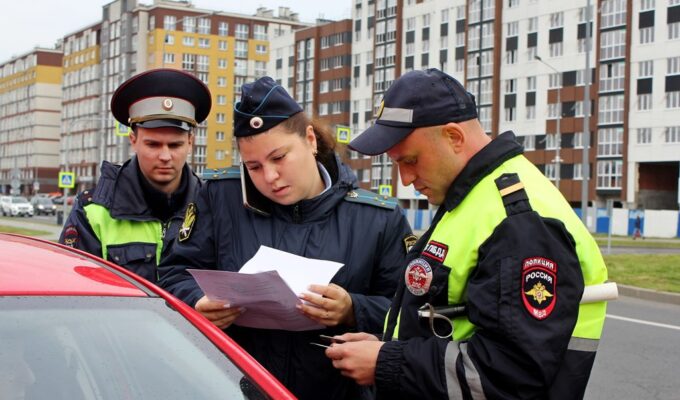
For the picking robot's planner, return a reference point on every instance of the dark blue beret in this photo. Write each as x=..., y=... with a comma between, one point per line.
x=264, y=104
x=162, y=97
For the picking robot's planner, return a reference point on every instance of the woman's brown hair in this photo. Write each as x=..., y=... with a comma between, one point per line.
x=325, y=145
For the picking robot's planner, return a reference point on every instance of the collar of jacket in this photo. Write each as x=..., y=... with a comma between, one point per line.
x=498, y=151
x=323, y=205
x=120, y=190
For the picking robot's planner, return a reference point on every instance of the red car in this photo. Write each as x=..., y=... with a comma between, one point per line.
x=73, y=326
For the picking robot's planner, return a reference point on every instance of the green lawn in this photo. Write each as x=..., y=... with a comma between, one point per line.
x=650, y=271
x=22, y=231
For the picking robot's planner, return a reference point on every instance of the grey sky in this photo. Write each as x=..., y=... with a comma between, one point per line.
x=30, y=23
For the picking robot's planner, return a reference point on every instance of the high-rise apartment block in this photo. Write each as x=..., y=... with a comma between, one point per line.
x=30, y=108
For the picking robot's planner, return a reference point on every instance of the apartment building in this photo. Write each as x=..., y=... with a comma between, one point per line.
x=525, y=61
x=30, y=106
x=222, y=49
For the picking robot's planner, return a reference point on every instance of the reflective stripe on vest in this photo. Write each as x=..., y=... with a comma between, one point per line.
x=111, y=231
x=465, y=228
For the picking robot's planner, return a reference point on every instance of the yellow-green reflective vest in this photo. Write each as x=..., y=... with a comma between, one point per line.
x=467, y=226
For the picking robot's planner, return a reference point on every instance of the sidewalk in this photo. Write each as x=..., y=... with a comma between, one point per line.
x=28, y=223
x=54, y=231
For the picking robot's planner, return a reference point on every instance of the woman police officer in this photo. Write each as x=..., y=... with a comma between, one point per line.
x=303, y=201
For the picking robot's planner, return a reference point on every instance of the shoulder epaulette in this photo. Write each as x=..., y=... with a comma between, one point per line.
x=364, y=196
x=85, y=197
x=211, y=174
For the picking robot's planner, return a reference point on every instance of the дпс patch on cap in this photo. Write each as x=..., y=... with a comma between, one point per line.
x=418, y=98
x=264, y=104
x=162, y=97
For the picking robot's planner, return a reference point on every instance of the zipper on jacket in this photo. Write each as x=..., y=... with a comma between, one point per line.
x=297, y=218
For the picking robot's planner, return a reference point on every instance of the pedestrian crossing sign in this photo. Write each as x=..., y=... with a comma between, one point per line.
x=385, y=190
x=342, y=133
x=67, y=180
x=122, y=130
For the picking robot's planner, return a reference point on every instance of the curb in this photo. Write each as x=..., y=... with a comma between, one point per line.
x=648, y=294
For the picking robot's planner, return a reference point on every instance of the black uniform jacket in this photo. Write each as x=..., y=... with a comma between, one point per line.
x=511, y=355
x=121, y=190
x=367, y=239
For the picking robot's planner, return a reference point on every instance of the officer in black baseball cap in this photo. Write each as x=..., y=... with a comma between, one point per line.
x=137, y=208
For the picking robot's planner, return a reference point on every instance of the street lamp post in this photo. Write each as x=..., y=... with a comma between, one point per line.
x=585, y=162
x=558, y=136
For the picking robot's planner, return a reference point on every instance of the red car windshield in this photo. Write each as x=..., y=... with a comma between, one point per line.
x=108, y=348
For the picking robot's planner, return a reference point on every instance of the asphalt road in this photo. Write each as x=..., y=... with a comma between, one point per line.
x=639, y=355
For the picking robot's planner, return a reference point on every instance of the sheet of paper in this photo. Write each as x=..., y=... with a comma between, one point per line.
x=269, y=302
x=268, y=286
x=297, y=271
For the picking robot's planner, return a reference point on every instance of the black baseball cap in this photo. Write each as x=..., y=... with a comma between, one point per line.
x=418, y=98
x=264, y=104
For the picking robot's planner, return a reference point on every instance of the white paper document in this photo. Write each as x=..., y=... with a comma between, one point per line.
x=268, y=286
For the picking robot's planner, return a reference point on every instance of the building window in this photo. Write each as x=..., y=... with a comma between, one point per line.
x=550, y=171
x=241, y=31
x=578, y=140
x=188, y=62
x=203, y=43
x=674, y=30
x=222, y=63
x=219, y=136
x=646, y=69
x=531, y=113
x=219, y=118
x=644, y=102
x=221, y=81
x=644, y=135
x=169, y=22
x=529, y=142
x=612, y=77
x=260, y=32
x=612, y=13
x=672, y=134
x=168, y=58
x=188, y=41
x=609, y=174
x=673, y=99
x=223, y=29
x=189, y=24
x=221, y=99
x=261, y=49
x=609, y=142
x=219, y=155
x=611, y=110
x=613, y=44
x=513, y=3
x=222, y=45
x=556, y=49
x=578, y=172
x=204, y=26
x=647, y=35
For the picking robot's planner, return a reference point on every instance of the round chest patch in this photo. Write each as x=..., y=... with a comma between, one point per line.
x=418, y=277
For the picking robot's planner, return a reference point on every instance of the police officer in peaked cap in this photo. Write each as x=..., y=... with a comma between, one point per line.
x=136, y=209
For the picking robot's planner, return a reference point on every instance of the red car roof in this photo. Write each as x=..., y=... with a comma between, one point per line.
x=30, y=266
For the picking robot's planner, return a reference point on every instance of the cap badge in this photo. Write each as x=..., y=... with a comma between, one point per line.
x=167, y=104
x=418, y=277
x=256, y=122
x=380, y=110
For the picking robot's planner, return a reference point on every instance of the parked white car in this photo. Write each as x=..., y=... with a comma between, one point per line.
x=16, y=206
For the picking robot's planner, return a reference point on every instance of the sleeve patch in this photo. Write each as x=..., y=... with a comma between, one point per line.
x=188, y=223
x=409, y=242
x=539, y=281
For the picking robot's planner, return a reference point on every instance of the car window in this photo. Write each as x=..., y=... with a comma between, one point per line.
x=114, y=348
x=19, y=200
